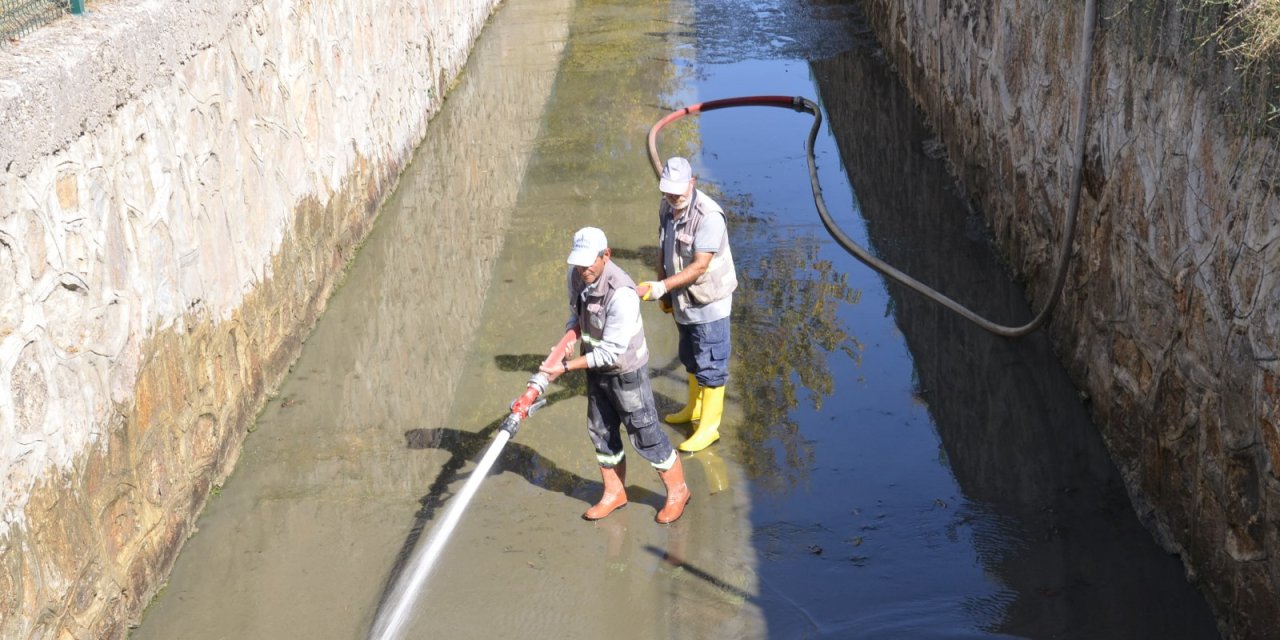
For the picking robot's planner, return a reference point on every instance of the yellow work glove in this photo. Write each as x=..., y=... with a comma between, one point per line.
x=652, y=290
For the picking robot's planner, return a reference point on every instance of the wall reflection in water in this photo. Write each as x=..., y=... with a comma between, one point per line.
x=1054, y=523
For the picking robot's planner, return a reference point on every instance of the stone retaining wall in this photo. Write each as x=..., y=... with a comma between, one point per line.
x=1170, y=321
x=183, y=185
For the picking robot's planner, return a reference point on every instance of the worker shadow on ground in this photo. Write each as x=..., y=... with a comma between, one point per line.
x=465, y=446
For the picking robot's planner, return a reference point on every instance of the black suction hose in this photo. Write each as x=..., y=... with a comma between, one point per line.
x=799, y=103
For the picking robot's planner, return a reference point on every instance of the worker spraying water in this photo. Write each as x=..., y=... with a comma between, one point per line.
x=604, y=312
x=605, y=308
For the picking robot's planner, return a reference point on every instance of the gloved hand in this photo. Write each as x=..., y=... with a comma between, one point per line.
x=664, y=303
x=652, y=290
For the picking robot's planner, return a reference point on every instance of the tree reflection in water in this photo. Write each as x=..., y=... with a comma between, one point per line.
x=785, y=325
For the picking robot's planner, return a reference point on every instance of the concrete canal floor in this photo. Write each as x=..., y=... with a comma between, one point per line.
x=887, y=471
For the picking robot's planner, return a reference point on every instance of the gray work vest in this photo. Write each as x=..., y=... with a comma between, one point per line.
x=591, y=317
x=720, y=278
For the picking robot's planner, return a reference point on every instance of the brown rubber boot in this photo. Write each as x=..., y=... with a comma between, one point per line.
x=677, y=493
x=615, y=492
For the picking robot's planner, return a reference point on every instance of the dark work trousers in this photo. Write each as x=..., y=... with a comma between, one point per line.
x=705, y=350
x=624, y=398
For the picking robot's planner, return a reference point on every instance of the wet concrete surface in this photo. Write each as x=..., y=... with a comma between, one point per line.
x=886, y=471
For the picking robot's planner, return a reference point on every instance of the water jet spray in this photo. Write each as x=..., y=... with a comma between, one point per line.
x=389, y=622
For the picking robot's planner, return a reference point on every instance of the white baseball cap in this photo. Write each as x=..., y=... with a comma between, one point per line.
x=676, y=176
x=588, y=242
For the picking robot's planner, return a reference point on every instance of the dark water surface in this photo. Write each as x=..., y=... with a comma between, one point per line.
x=886, y=470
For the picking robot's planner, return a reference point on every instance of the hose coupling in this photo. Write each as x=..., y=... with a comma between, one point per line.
x=539, y=381
x=511, y=424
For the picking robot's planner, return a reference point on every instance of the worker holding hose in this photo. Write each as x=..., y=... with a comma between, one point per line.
x=605, y=310
x=696, y=280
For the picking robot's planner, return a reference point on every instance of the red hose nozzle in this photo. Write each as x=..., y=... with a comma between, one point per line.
x=528, y=401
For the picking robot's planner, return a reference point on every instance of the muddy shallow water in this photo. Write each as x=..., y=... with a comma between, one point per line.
x=886, y=470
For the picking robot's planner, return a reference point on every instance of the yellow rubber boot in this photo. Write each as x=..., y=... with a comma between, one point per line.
x=709, y=426
x=692, y=409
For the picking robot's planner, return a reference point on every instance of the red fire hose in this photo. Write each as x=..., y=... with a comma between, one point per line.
x=796, y=103
x=530, y=401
